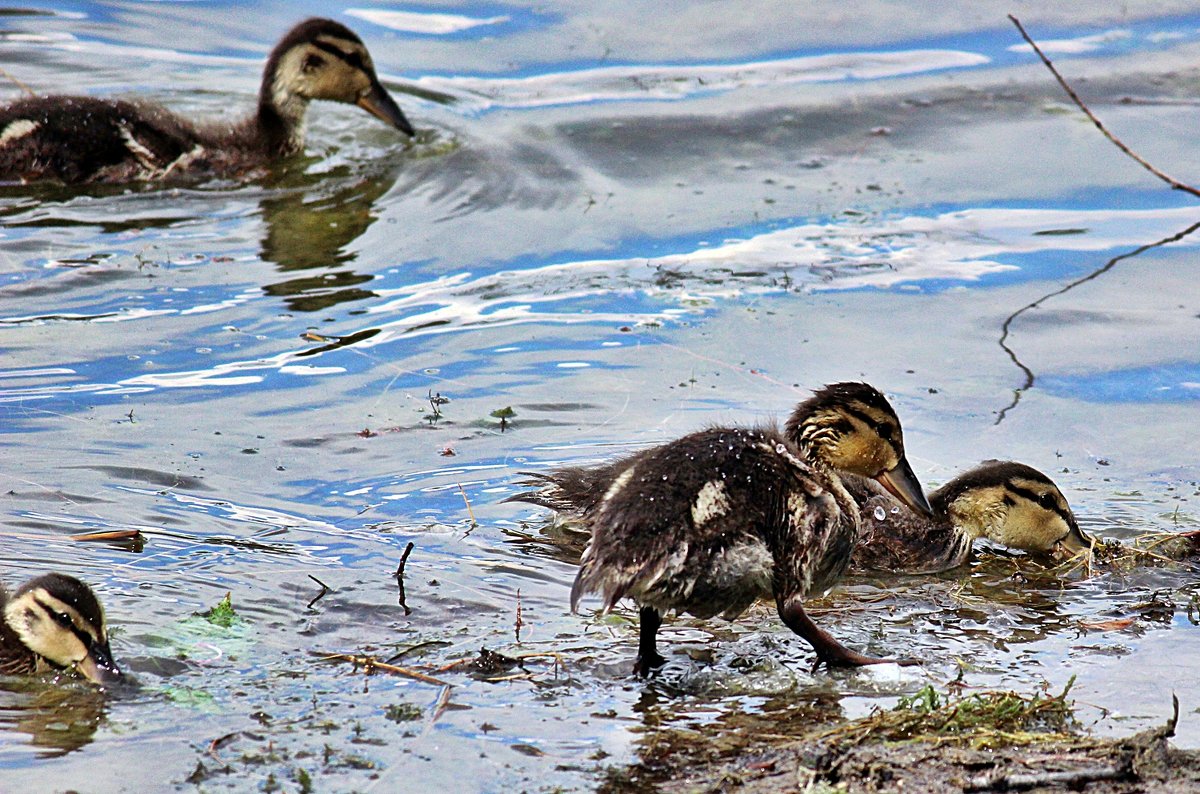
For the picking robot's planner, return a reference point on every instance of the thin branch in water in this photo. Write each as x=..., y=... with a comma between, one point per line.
x=519, y=623
x=400, y=576
x=109, y=535
x=370, y=664
x=320, y=595
x=470, y=512
x=1006, y=328
x=401, y=654
x=219, y=742
x=8, y=76
x=452, y=665
x=1072, y=779
x=513, y=677
x=439, y=708
x=436, y=401
x=1174, y=183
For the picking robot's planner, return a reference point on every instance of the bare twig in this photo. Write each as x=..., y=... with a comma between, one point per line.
x=1174, y=183
x=401, y=654
x=403, y=559
x=520, y=623
x=454, y=664
x=1006, y=327
x=470, y=512
x=512, y=677
x=320, y=595
x=219, y=742
x=439, y=708
x=370, y=664
x=400, y=576
x=114, y=534
x=1073, y=779
x=436, y=401
x=557, y=657
x=8, y=76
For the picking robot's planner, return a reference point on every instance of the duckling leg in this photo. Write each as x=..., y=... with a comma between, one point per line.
x=648, y=659
x=829, y=651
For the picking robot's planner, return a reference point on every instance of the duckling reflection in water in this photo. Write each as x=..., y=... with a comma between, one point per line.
x=76, y=139
x=55, y=620
x=713, y=521
x=1008, y=503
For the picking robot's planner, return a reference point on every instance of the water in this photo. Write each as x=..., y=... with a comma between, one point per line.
x=622, y=229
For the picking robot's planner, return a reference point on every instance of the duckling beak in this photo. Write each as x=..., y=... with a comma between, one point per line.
x=379, y=103
x=902, y=484
x=99, y=666
x=1075, y=541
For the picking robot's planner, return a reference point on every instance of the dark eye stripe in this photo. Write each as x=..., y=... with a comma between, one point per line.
x=885, y=430
x=1035, y=497
x=66, y=623
x=352, y=58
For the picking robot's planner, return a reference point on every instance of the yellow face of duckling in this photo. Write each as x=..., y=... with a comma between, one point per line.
x=851, y=427
x=59, y=619
x=1019, y=507
x=331, y=63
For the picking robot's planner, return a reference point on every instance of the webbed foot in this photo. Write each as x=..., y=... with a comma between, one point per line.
x=645, y=666
x=830, y=652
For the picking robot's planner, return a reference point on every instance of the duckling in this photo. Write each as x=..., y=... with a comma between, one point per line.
x=75, y=139
x=55, y=619
x=713, y=521
x=1008, y=503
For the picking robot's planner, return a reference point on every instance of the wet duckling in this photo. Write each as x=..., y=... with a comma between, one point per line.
x=1008, y=503
x=55, y=620
x=74, y=139
x=713, y=521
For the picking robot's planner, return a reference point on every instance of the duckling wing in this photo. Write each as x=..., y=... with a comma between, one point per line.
x=699, y=524
x=84, y=139
x=572, y=489
x=894, y=539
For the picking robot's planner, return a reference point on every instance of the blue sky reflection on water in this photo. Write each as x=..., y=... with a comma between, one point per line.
x=642, y=280
x=1178, y=382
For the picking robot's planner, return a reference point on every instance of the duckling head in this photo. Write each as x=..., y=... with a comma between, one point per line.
x=323, y=59
x=1014, y=505
x=60, y=619
x=851, y=428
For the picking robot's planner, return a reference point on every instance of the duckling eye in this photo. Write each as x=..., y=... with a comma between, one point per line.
x=312, y=63
x=64, y=620
x=885, y=432
x=1047, y=501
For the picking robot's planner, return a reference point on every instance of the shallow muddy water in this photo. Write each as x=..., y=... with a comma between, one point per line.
x=624, y=225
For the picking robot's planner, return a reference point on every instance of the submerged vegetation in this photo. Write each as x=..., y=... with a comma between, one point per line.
x=979, y=719
x=931, y=741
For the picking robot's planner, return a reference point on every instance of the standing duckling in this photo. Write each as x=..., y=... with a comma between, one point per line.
x=74, y=139
x=711, y=522
x=1008, y=503
x=55, y=620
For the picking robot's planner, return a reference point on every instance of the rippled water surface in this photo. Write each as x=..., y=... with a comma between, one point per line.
x=623, y=222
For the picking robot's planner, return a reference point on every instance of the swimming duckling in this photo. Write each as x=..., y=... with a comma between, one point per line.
x=76, y=139
x=1008, y=503
x=57, y=620
x=711, y=522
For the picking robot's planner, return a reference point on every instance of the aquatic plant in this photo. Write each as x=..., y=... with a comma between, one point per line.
x=980, y=719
